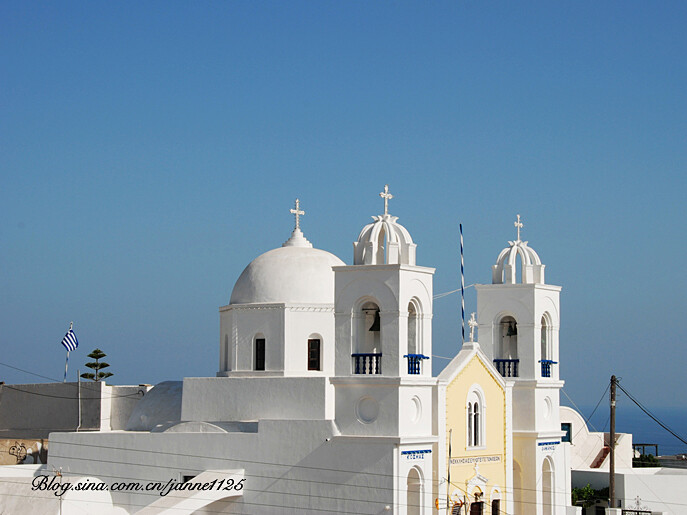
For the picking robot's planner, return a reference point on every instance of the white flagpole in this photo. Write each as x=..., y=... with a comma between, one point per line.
x=66, y=364
x=462, y=288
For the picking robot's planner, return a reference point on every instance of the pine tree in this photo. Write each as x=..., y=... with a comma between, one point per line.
x=96, y=366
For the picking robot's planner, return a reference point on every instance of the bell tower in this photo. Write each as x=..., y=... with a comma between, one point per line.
x=519, y=320
x=383, y=368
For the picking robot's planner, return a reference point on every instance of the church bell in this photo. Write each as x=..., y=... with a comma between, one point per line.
x=512, y=329
x=376, y=323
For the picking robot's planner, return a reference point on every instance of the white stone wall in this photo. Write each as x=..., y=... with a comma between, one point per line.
x=290, y=466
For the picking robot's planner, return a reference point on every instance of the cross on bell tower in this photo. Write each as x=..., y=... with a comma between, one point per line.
x=386, y=196
x=518, y=225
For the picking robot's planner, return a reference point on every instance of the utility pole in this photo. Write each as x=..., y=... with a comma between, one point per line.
x=611, y=477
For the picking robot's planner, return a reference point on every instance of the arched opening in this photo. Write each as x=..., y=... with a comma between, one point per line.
x=509, y=338
x=367, y=345
x=495, y=502
x=381, y=246
x=477, y=504
x=506, y=359
x=414, y=489
x=476, y=425
x=369, y=337
x=413, y=329
x=227, y=354
x=545, y=352
x=547, y=487
x=259, y=352
x=475, y=418
x=517, y=488
x=314, y=352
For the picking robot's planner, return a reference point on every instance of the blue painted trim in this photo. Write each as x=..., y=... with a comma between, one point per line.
x=423, y=451
x=548, y=443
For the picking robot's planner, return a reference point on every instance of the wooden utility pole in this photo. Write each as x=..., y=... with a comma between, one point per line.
x=611, y=477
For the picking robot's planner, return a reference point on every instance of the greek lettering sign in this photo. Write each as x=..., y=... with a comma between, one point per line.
x=471, y=460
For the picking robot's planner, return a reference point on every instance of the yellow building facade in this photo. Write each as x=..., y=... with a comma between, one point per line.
x=477, y=461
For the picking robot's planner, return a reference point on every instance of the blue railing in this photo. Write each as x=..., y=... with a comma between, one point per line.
x=370, y=363
x=414, y=362
x=507, y=367
x=546, y=367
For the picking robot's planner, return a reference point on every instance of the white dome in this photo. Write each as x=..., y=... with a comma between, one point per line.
x=295, y=273
x=384, y=241
x=504, y=271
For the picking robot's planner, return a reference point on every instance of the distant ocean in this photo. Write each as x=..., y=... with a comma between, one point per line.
x=630, y=419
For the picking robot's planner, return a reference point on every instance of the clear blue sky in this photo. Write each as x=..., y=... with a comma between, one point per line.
x=150, y=150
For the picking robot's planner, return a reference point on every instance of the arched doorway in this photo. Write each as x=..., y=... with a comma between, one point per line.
x=414, y=489
x=547, y=487
x=517, y=488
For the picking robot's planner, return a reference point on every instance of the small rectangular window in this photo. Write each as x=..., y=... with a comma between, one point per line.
x=314, y=354
x=567, y=427
x=259, y=354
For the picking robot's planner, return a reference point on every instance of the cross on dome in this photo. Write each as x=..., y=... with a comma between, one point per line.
x=472, y=323
x=386, y=196
x=518, y=225
x=298, y=212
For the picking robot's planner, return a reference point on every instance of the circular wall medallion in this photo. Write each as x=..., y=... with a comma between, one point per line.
x=415, y=409
x=367, y=409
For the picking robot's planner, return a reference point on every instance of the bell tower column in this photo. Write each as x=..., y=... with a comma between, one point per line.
x=519, y=322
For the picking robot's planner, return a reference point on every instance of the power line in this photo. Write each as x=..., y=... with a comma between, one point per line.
x=655, y=419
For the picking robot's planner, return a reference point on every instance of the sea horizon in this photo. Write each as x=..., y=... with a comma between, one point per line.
x=631, y=419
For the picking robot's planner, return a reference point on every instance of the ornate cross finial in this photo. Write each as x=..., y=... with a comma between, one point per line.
x=298, y=213
x=472, y=323
x=518, y=225
x=386, y=196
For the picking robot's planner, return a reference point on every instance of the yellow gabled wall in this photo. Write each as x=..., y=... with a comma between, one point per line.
x=493, y=450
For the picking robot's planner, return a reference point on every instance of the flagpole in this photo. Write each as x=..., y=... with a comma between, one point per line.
x=462, y=288
x=66, y=364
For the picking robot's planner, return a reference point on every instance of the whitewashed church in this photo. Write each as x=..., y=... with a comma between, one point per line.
x=324, y=400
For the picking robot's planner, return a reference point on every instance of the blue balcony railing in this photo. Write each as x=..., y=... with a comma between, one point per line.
x=546, y=367
x=507, y=367
x=370, y=363
x=415, y=363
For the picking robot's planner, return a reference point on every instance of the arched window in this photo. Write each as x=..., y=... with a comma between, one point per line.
x=475, y=418
x=545, y=352
x=314, y=353
x=476, y=425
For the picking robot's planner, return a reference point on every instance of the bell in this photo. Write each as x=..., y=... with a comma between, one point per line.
x=376, y=323
x=512, y=329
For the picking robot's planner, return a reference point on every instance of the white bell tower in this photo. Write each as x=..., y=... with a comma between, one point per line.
x=519, y=320
x=383, y=366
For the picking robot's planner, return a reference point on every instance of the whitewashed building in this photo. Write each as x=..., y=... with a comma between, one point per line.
x=324, y=400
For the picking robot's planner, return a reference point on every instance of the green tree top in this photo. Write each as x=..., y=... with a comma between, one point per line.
x=97, y=366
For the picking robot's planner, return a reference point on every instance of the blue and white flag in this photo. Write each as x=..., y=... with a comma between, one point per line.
x=69, y=341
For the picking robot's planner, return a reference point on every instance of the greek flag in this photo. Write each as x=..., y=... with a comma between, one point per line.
x=69, y=341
